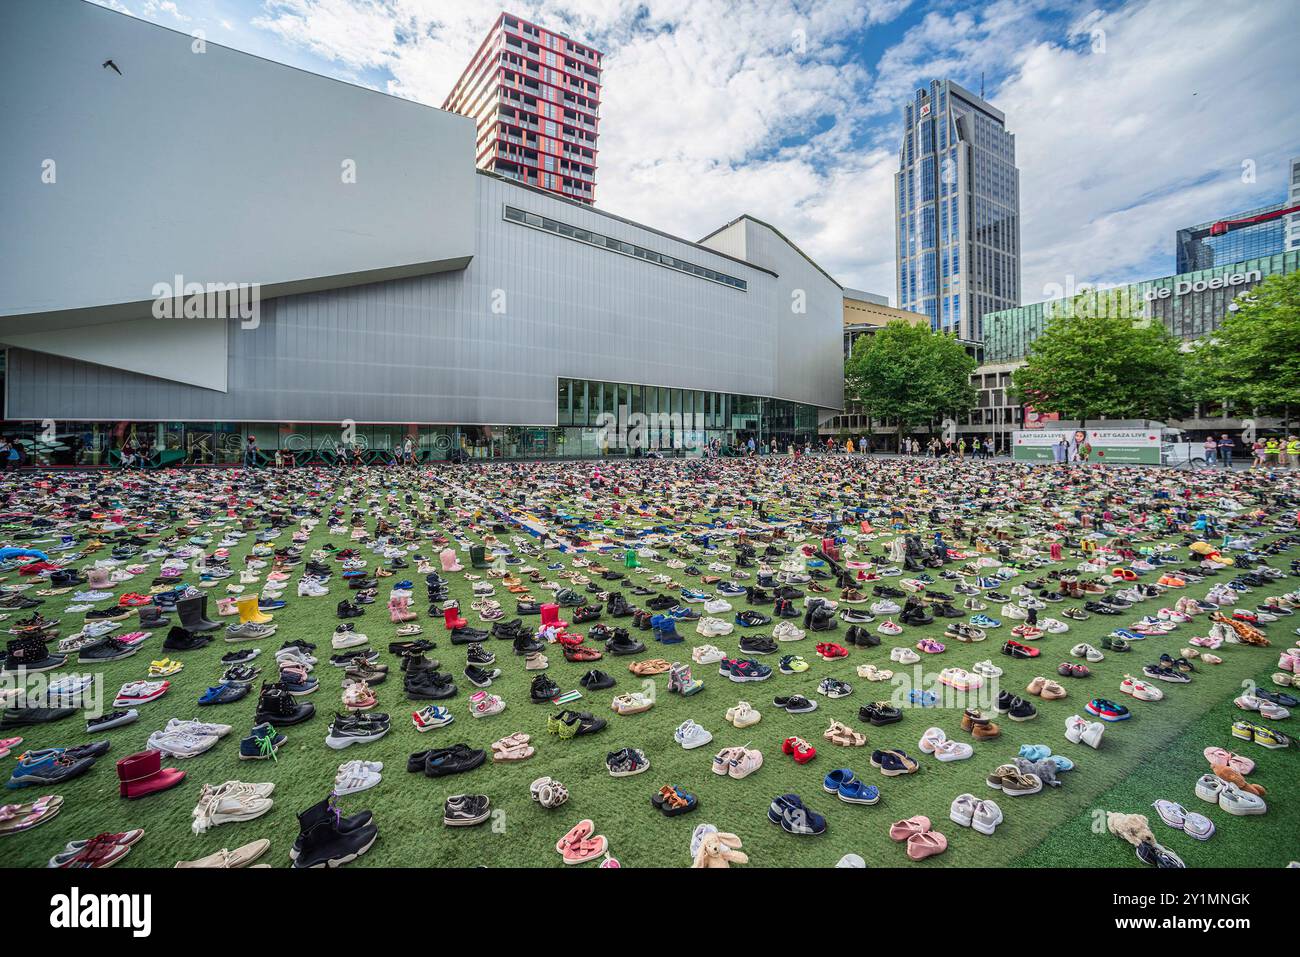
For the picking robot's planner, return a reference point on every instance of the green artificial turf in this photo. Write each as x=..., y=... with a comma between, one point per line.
x=1157, y=754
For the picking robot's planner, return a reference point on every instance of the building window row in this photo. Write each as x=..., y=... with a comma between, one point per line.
x=619, y=246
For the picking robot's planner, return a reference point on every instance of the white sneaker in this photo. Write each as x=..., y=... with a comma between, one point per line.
x=787, y=631
x=225, y=804
x=179, y=744
x=707, y=655
x=904, y=656
x=311, y=588
x=690, y=735
x=348, y=639
x=354, y=779
x=885, y=607
x=986, y=668
x=717, y=606
x=713, y=628
x=888, y=627
x=200, y=727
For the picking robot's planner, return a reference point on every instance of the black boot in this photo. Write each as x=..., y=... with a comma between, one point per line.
x=151, y=616
x=322, y=841
x=526, y=644
x=191, y=614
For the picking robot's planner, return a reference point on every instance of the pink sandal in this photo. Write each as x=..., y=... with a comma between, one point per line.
x=575, y=835
x=1220, y=756
x=585, y=850
x=6, y=744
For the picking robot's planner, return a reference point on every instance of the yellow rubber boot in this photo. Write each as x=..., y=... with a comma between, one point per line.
x=248, y=610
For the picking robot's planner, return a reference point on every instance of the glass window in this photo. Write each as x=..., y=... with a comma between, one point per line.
x=580, y=402
x=563, y=402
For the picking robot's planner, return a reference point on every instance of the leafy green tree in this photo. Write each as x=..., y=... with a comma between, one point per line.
x=1253, y=359
x=910, y=374
x=1101, y=357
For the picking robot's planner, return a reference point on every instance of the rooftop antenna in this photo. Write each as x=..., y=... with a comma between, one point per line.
x=981, y=84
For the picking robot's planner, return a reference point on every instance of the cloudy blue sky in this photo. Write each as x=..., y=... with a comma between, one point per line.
x=1131, y=118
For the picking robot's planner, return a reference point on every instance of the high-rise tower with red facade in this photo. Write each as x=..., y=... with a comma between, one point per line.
x=535, y=95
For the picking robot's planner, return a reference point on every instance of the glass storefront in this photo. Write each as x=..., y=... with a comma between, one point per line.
x=596, y=419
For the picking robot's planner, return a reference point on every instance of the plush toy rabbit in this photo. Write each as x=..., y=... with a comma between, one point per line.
x=720, y=849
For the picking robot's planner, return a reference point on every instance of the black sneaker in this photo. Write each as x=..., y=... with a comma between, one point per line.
x=344, y=659
x=429, y=685
x=478, y=655
x=879, y=713
x=466, y=810
x=108, y=614
x=107, y=648
x=752, y=619
x=596, y=680
x=322, y=841
x=757, y=645
x=543, y=690
x=1021, y=710
x=111, y=719
x=467, y=635
x=480, y=677
x=526, y=644
x=622, y=643
x=241, y=657
x=441, y=762
x=344, y=824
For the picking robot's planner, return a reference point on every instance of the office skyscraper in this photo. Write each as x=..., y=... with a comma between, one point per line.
x=535, y=95
x=957, y=203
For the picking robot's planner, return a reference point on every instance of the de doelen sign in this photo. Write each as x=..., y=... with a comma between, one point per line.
x=1184, y=286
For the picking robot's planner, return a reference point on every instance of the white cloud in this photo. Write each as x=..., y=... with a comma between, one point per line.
x=699, y=97
x=1117, y=150
x=114, y=5
x=153, y=8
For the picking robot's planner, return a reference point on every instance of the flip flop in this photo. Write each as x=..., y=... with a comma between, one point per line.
x=16, y=818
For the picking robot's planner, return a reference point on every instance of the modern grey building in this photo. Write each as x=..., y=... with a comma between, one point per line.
x=957, y=210
x=202, y=244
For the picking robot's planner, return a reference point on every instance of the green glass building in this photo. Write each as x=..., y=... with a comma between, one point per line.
x=1189, y=304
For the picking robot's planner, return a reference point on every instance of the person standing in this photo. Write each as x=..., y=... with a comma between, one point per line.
x=1293, y=451
x=1211, y=450
x=250, y=452
x=1225, y=450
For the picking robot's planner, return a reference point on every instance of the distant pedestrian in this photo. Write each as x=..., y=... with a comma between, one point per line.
x=1226, y=445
